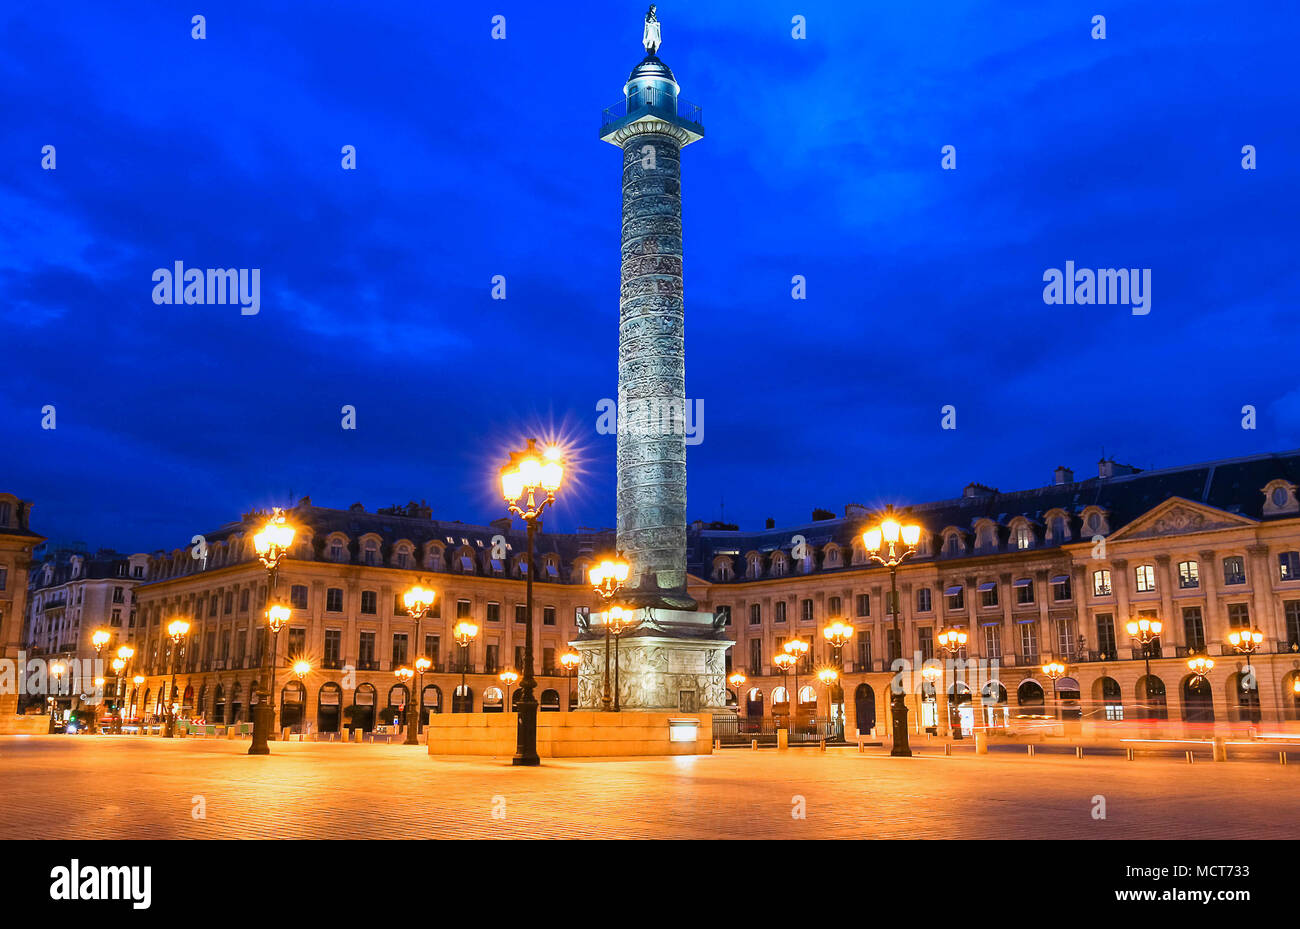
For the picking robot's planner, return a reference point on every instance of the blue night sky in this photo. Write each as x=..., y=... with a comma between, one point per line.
x=479, y=157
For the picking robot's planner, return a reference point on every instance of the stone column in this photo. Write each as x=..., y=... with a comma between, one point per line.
x=651, y=457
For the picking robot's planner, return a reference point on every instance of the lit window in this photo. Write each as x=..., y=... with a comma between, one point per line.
x=1146, y=578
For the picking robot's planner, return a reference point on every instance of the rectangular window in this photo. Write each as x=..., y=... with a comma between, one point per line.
x=805, y=611
x=892, y=643
x=521, y=613
x=298, y=596
x=4, y=577
x=297, y=641
x=864, y=652
x=864, y=604
x=1101, y=583
x=1061, y=587
x=1288, y=567
x=462, y=609
x=548, y=616
x=956, y=597
x=834, y=607
x=923, y=604
x=1146, y=578
x=432, y=647
x=1189, y=575
x=1106, y=634
x=369, y=602
x=491, y=659
x=1234, y=570
x=399, y=649
x=116, y=618
x=1029, y=642
x=1024, y=590
x=519, y=657
x=118, y=595
x=1292, y=610
x=334, y=600
x=755, y=656
x=989, y=594
x=992, y=641
x=755, y=614
x=780, y=612
x=493, y=612
x=1193, y=628
x=548, y=661
x=366, y=652
x=212, y=605
x=1064, y=638
x=230, y=602
x=722, y=614
x=241, y=647
x=243, y=600
x=1239, y=615
x=925, y=642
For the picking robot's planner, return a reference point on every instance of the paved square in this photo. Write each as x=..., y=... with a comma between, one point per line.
x=102, y=786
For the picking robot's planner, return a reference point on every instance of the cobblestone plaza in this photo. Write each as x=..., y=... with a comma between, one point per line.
x=91, y=787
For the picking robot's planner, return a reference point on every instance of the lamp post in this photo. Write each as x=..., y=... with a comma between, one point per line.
x=137, y=681
x=272, y=544
x=837, y=634
x=405, y=674
x=569, y=661
x=796, y=649
x=829, y=676
x=124, y=655
x=118, y=664
x=896, y=541
x=1246, y=641
x=509, y=677
x=528, y=476
x=100, y=639
x=177, y=629
x=464, y=633
x=422, y=664
x=1200, y=667
x=784, y=661
x=1054, y=669
x=607, y=579
x=619, y=622
x=1146, y=631
x=951, y=642
x=932, y=674
x=418, y=601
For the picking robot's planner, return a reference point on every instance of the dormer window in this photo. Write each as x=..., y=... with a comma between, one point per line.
x=1280, y=497
x=1024, y=538
x=336, y=550
x=372, y=552
x=755, y=566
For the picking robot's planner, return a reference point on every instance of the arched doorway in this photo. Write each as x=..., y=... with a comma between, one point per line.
x=961, y=714
x=364, y=699
x=236, y=703
x=1151, y=698
x=200, y=708
x=1069, y=698
x=1198, y=700
x=781, y=707
x=550, y=702
x=807, y=709
x=219, y=705
x=1108, y=700
x=144, y=704
x=864, y=708
x=1291, y=695
x=431, y=702
x=293, y=705
x=462, y=699
x=1245, y=691
x=930, y=707
x=753, y=721
x=395, y=712
x=1031, y=699
x=493, y=700
x=731, y=699
x=993, y=697
x=187, y=701
x=329, y=705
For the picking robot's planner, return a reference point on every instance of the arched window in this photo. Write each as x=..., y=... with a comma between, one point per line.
x=550, y=702
x=1031, y=698
x=493, y=700
x=1151, y=698
x=1198, y=700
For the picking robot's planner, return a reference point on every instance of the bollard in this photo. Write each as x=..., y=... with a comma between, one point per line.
x=981, y=742
x=947, y=748
x=1190, y=758
x=1078, y=751
x=1031, y=750
x=862, y=748
x=1281, y=757
x=1220, y=751
x=782, y=739
x=1129, y=754
x=754, y=744
x=717, y=744
x=821, y=746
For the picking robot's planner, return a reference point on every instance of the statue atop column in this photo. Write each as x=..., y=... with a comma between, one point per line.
x=651, y=38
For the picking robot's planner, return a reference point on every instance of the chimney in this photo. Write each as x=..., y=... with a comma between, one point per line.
x=1063, y=475
x=771, y=523
x=975, y=489
x=854, y=510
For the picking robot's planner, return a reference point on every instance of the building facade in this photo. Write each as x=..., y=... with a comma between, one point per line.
x=1050, y=573
x=17, y=541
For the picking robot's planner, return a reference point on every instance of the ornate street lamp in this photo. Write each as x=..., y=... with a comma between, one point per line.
x=1246, y=642
x=124, y=655
x=951, y=642
x=177, y=629
x=422, y=664
x=1200, y=667
x=301, y=669
x=932, y=674
x=509, y=677
x=569, y=661
x=529, y=476
x=1146, y=631
x=405, y=674
x=100, y=639
x=607, y=579
x=464, y=633
x=1054, y=670
x=796, y=649
x=890, y=544
x=272, y=544
x=418, y=602
x=785, y=661
x=829, y=676
x=617, y=621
